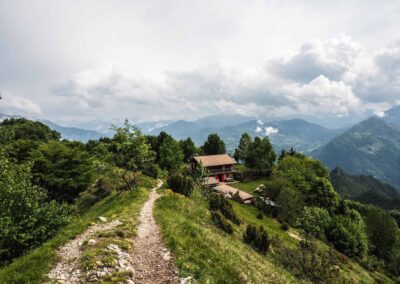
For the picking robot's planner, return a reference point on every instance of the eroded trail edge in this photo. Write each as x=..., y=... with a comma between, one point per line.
x=151, y=260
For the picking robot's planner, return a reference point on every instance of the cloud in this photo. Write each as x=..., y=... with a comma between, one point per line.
x=322, y=95
x=11, y=104
x=268, y=131
x=331, y=59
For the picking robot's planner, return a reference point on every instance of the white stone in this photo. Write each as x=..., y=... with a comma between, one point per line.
x=103, y=219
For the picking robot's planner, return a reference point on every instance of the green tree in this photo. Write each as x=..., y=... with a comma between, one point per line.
x=63, y=171
x=131, y=152
x=323, y=195
x=188, y=148
x=241, y=151
x=315, y=221
x=171, y=155
x=26, y=219
x=260, y=155
x=213, y=145
x=291, y=202
x=348, y=235
x=382, y=231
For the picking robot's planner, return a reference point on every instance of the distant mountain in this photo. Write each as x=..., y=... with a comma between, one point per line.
x=365, y=189
x=372, y=147
x=392, y=117
x=74, y=133
x=297, y=133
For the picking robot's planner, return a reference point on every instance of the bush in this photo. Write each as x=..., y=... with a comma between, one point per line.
x=284, y=226
x=221, y=222
x=181, y=184
x=348, y=236
x=257, y=238
x=260, y=215
x=26, y=219
x=218, y=202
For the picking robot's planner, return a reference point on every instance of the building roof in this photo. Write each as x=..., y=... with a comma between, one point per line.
x=226, y=189
x=215, y=160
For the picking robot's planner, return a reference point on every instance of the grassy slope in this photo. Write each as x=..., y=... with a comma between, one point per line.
x=205, y=252
x=211, y=256
x=32, y=268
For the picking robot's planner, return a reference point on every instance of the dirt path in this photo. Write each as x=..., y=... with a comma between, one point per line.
x=151, y=260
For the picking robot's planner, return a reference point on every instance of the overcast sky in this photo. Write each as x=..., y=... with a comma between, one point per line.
x=76, y=61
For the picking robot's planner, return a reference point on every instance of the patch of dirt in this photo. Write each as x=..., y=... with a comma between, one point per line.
x=67, y=269
x=151, y=260
x=295, y=236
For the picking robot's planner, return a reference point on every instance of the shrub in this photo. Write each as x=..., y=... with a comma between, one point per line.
x=221, y=222
x=284, y=226
x=26, y=219
x=257, y=238
x=218, y=202
x=260, y=215
x=348, y=236
x=181, y=184
x=315, y=221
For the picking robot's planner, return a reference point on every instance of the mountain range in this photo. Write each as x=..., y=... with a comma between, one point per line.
x=371, y=147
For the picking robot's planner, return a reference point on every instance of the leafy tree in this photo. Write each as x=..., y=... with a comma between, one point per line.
x=315, y=221
x=396, y=216
x=260, y=155
x=323, y=195
x=63, y=171
x=349, y=236
x=170, y=155
x=382, y=231
x=241, y=150
x=131, y=152
x=188, y=148
x=213, y=145
x=292, y=204
x=26, y=219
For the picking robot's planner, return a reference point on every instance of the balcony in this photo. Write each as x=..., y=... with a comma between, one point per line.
x=222, y=170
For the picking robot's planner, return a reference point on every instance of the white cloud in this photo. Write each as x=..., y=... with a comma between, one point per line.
x=322, y=95
x=269, y=130
x=331, y=59
x=11, y=104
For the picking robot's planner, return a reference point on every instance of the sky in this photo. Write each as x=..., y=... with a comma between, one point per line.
x=75, y=62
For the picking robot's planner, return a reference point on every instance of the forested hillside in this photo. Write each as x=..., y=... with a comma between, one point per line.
x=369, y=148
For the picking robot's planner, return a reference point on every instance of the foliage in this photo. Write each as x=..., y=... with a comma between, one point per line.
x=260, y=155
x=62, y=170
x=170, y=155
x=323, y=195
x=241, y=150
x=221, y=222
x=131, y=152
x=257, y=238
x=24, y=129
x=315, y=221
x=188, y=148
x=309, y=262
x=396, y=216
x=284, y=226
x=219, y=203
x=180, y=183
x=213, y=145
x=26, y=219
x=292, y=204
x=382, y=231
x=348, y=236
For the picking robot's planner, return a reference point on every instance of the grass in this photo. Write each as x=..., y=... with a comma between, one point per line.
x=205, y=252
x=33, y=267
x=249, y=186
x=211, y=256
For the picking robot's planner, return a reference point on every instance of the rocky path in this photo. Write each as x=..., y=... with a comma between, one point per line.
x=147, y=262
x=151, y=260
